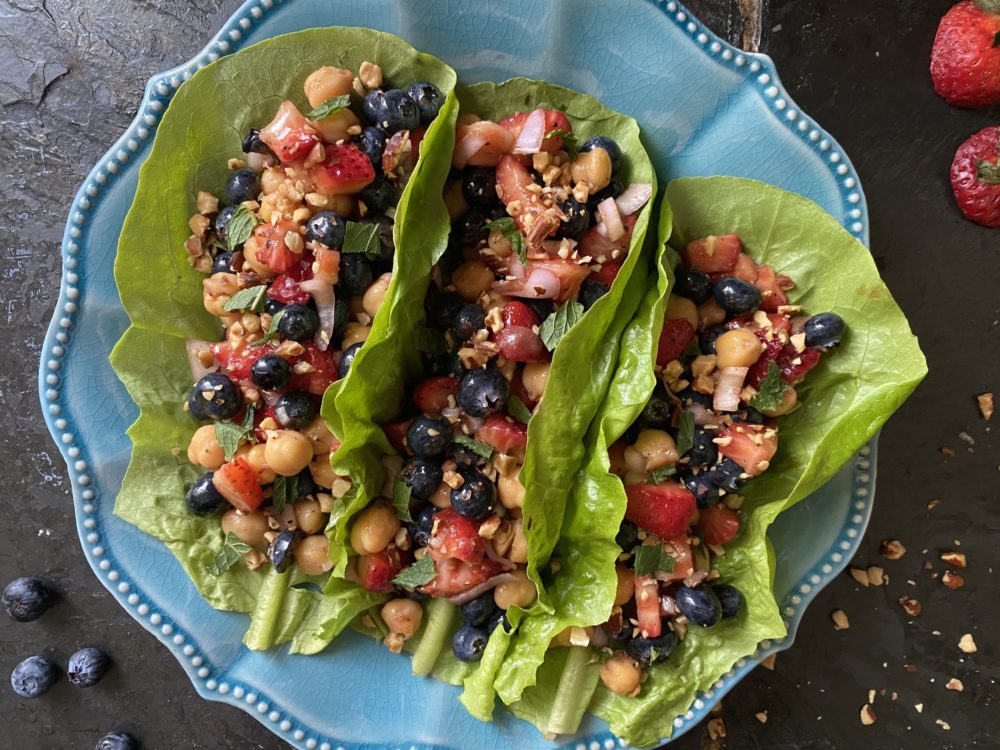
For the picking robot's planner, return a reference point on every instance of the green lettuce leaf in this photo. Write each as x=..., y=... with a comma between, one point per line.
x=202, y=128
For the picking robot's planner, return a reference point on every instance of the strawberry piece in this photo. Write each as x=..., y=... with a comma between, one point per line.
x=289, y=135
x=713, y=254
x=456, y=576
x=327, y=265
x=752, y=446
x=320, y=373
x=396, y=433
x=758, y=370
x=521, y=344
x=794, y=364
x=680, y=550
x=455, y=536
x=344, y=171
x=601, y=249
x=375, y=572
x=965, y=58
x=416, y=138
x=431, y=395
x=505, y=434
x=609, y=271
x=236, y=363
x=271, y=248
x=975, y=177
x=285, y=287
x=772, y=288
x=481, y=144
x=647, y=606
x=745, y=268
x=518, y=314
x=554, y=120
x=663, y=509
x=674, y=339
x=718, y=524
x=237, y=482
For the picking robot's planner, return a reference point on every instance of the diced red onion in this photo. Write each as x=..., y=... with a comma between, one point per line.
x=322, y=293
x=611, y=219
x=515, y=267
x=552, y=247
x=529, y=140
x=497, y=558
x=194, y=348
x=727, y=390
x=599, y=639
x=695, y=578
x=270, y=397
x=466, y=148
x=472, y=424
x=634, y=197
x=482, y=588
x=702, y=416
x=540, y=283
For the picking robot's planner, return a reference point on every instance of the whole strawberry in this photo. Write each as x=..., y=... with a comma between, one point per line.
x=965, y=59
x=975, y=177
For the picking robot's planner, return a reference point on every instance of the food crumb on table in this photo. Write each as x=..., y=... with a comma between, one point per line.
x=985, y=405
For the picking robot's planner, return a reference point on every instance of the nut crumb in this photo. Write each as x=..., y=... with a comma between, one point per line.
x=954, y=684
x=875, y=574
x=949, y=452
x=967, y=645
x=952, y=580
x=943, y=724
x=768, y=663
x=956, y=559
x=840, y=621
x=868, y=716
x=860, y=576
x=910, y=605
x=910, y=667
x=985, y=405
x=716, y=728
x=871, y=696
x=933, y=504
x=919, y=707
x=761, y=716
x=892, y=549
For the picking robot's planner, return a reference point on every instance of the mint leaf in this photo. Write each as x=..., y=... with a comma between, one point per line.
x=230, y=434
x=232, y=552
x=771, y=392
x=685, y=433
x=476, y=446
x=509, y=229
x=517, y=409
x=661, y=474
x=649, y=558
x=401, y=500
x=330, y=107
x=251, y=298
x=421, y=572
x=570, y=141
x=272, y=329
x=558, y=323
x=241, y=226
x=362, y=238
x=284, y=490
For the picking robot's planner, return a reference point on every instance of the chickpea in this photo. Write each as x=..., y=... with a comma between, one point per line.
x=499, y=244
x=562, y=638
x=342, y=204
x=788, y=401
x=520, y=592
x=510, y=491
x=471, y=279
x=594, y=168
x=441, y=497
x=467, y=118
x=287, y=452
x=621, y=675
x=519, y=547
x=204, y=450
x=739, y=347
x=403, y=616
x=653, y=449
x=681, y=308
x=710, y=314
x=218, y=288
x=308, y=516
x=248, y=527
x=355, y=333
x=312, y=555
x=256, y=457
x=626, y=585
x=322, y=471
x=454, y=200
x=374, y=528
x=534, y=376
x=250, y=258
x=271, y=180
x=616, y=458
x=320, y=436
x=326, y=83
x=356, y=304
x=375, y=294
x=334, y=128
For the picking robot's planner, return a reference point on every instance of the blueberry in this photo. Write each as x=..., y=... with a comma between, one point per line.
x=222, y=263
x=577, y=219
x=252, y=144
x=728, y=475
x=656, y=412
x=242, y=186
x=422, y=476
x=479, y=187
x=753, y=416
x=469, y=319
x=703, y=451
x=33, y=677
x=824, y=330
x=203, y=499
x=428, y=98
x=650, y=651
x=428, y=436
x=483, y=392
x=470, y=230
x=542, y=308
x=613, y=190
x=280, y=552
x=730, y=598
x=690, y=396
x=373, y=105
x=341, y=317
x=295, y=409
x=327, y=228
x=270, y=372
x=26, y=599
x=469, y=643
x=378, y=195
x=736, y=296
x=628, y=536
x=347, y=358
x=117, y=741
x=420, y=529
x=442, y=309
x=612, y=148
x=215, y=396
x=500, y=618
x=708, y=337
x=476, y=497
x=396, y=111
x=699, y=605
x=87, y=666
x=355, y=274
x=306, y=484
x=221, y=223
x=480, y=610
x=463, y=457
x=694, y=285
x=273, y=306
x=372, y=142
x=299, y=323
x=591, y=290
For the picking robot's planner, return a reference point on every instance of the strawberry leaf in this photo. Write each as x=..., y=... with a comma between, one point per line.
x=988, y=172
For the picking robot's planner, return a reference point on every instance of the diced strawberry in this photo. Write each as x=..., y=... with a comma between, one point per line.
x=327, y=265
x=663, y=509
x=237, y=363
x=431, y=395
x=745, y=268
x=601, y=249
x=570, y=273
x=514, y=122
x=713, y=254
x=752, y=446
x=518, y=314
x=396, y=433
x=535, y=219
x=521, y=344
x=289, y=135
x=271, y=248
x=237, y=482
x=285, y=287
x=772, y=288
x=554, y=120
x=758, y=370
x=344, y=171
x=679, y=549
x=608, y=273
x=718, y=524
x=505, y=434
x=375, y=572
x=674, y=339
x=416, y=138
x=794, y=364
x=320, y=373
x=647, y=606
x=455, y=576
x=455, y=536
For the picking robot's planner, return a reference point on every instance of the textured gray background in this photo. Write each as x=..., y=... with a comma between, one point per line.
x=71, y=76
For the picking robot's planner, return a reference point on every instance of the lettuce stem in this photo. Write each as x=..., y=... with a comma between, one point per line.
x=440, y=614
x=267, y=613
x=576, y=687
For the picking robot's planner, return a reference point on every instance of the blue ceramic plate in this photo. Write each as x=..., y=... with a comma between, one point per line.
x=705, y=108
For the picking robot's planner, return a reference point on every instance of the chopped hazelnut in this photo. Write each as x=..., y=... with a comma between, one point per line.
x=840, y=621
x=892, y=549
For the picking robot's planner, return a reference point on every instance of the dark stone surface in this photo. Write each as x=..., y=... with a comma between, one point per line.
x=71, y=75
